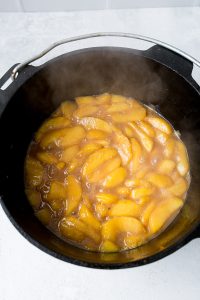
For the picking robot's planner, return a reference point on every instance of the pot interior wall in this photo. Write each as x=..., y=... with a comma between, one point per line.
x=88, y=72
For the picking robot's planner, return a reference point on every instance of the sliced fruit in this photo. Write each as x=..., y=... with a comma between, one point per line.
x=96, y=134
x=105, y=169
x=118, y=99
x=139, y=192
x=118, y=107
x=67, y=108
x=133, y=241
x=103, y=99
x=166, y=166
x=147, y=128
x=123, y=191
x=159, y=180
x=52, y=123
x=33, y=197
x=137, y=154
x=123, y=146
x=57, y=191
x=163, y=212
x=182, y=158
x=127, y=208
x=34, y=172
x=69, y=153
x=74, y=193
x=96, y=159
x=147, y=212
x=95, y=123
x=46, y=158
x=179, y=188
x=85, y=111
x=69, y=229
x=161, y=137
x=113, y=227
x=85, y=100
x=108, y=246
x=101, y=210
x=145, y=140
x=106, y=198
x=115, y=178
x=72, y=136
x=160, y=123
x=87, y=217
x=169, y=147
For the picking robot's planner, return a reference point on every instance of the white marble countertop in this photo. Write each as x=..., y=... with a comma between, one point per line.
x=25, y=271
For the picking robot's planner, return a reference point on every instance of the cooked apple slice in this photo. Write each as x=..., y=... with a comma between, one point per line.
x=179, y=188
x=57, y=191
x=33, y=197
x=73, y=194
x=101, y=210
x=115, y=178
x=137, y=154
x=163, y=212
x=69, y=229
x=127, y=208
x=166, y=166
x=96, y=159
x=108, y=246
x=145, y=140
x=169, y=147
x=34, y=172
x=95, y=123
x=160, y=123
x=46, y=157
x=96, y=134
x=147, y=212
x=87, y=217
x=44, y=215
x=69, y=153
x=182, y=158
x=117, y=225
x=52, y=123
x=159, y=180
x=123, y=146
x=85, y=111
x=67, y=108
x=106, y=198
x=147, y=128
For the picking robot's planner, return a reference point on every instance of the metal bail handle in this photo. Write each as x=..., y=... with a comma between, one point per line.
x=102, y=34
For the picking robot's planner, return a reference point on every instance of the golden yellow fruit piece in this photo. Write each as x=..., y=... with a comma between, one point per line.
x=69, y=153
x=85, y=100
x=130, y=116
x=46, y=158
x=85, y=111
x=115, y=178
x=95, y=123
x=123, y=191
x=82, y=227
x=44, y=215
x=118, y=107
x=34, y=172
x=133, y=241
x=103, y=99
x=60, y=165
x=128, y=131
x=160, y=123
x=72, y=136
x=74, y=194
x=70, y=230
x=123, y=146
x=163, y=212
x=161, y=137
x=179, y=188
x=101, y=210
x=57, y=191
x=166, y=166
x=145, y=140
x=142, y=192
x=147, y=128
x=106, y=198
x=117, y=225
x=63, y=137
x=67, y=108
x=105, y=169
x=182, y=158
x=169, y=147
x=108, y=246
x=88, y=149
x=127, y=208
x=96, y=159
x=96, y=134
x=118, y=99
x=33, y=197
x=137, y=154
x=159, y=180
x=147, y=212
x=53, y=123
x=143, y=200
x=87, y=217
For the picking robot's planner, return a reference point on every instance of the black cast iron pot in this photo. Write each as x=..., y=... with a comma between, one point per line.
x=155, y=76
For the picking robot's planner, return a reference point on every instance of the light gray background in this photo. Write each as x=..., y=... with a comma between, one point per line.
x=66, y=5
x=25, y=271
